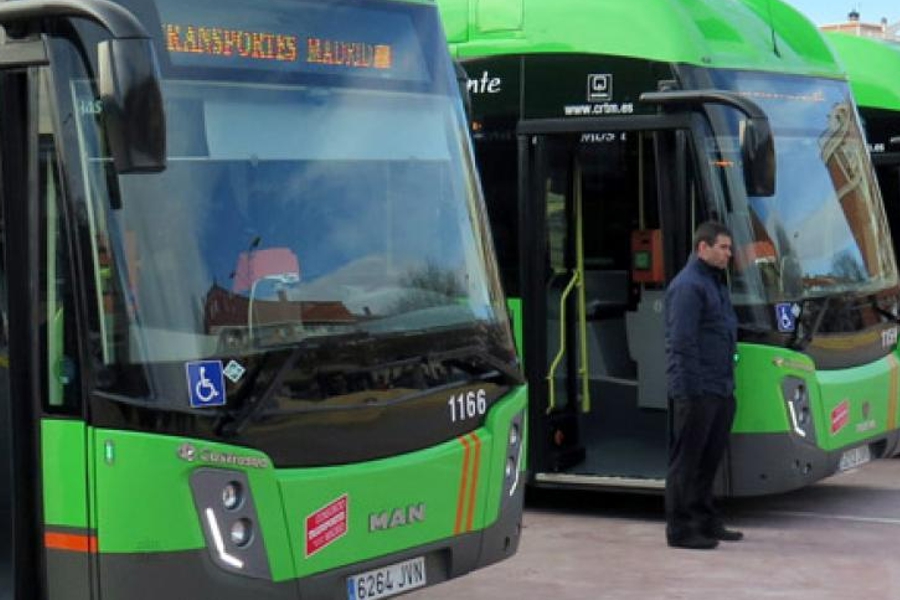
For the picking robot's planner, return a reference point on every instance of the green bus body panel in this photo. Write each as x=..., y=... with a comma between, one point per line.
x=869, y=391
x=65, y=473
x=431, y=477
x=514, y=306
x=760, y=403
x=873, y=67
x=144, y=501
x=734, y=34
x=143, y=495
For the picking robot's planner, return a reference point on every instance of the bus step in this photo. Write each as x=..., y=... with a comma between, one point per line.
x=599, y=481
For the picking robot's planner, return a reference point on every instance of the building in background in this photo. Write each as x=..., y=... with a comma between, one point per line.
x=854, y=26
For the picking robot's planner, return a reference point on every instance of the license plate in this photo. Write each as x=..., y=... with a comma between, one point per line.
x=387, y=581
x=854, y=458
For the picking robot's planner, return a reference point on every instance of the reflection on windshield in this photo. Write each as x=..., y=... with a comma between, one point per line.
x=825, y=230
x=330, y=211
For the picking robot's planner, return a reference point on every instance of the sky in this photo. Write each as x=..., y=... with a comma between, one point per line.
x=822, y=12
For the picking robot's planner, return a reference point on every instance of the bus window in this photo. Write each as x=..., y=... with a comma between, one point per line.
x=498, y=149
x=57, y=282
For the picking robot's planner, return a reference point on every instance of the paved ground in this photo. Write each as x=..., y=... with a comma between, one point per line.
x=838, y=540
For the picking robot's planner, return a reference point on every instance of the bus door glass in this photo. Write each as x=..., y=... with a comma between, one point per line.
x=69, y=533
x=604, y=283
x=888, y=173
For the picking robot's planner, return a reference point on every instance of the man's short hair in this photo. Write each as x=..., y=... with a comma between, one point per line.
x=708, y=232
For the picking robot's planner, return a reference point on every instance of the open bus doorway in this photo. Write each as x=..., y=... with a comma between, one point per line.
x=888, y=173
x=604, y=198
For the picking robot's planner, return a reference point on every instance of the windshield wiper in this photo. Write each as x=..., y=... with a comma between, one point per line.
x=255, y=403
x=884, y=312
x=252, y=407
x=469, y=358
x=475, y=354
x=801, y=342
x=464, y=358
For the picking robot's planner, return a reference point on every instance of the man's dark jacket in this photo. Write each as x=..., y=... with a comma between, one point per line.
x=701, y=333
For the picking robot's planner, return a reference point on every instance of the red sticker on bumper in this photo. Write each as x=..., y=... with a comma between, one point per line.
x=326, y=525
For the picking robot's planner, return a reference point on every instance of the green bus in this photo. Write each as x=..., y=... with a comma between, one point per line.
x=873, y=67
x=254, y=343
x=604, y=133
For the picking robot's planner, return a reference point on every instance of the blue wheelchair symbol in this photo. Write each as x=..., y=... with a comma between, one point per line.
x=784, y=314
x=206, y=383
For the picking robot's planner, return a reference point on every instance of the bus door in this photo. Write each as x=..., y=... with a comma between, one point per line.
x=595, y=208
x=32, y=398
x=8, y=422
x=887, y=169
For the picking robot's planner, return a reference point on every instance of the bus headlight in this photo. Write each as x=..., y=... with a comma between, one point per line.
x=514, y=451
x=511, y=466
x=514, y=434
x=241, y=532
x=796, y=395
x=230, y=524
x=232, y=495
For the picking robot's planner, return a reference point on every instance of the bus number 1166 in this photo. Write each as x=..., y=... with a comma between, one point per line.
x=467, y=405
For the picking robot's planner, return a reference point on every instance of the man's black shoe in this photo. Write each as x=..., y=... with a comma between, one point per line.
x=693, y=542
x=725, y=535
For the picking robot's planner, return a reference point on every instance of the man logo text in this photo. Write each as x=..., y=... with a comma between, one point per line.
x=414, y=513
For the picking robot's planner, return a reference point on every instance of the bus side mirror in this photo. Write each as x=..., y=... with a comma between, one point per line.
x=757, y=145
x=132, y=105
x=758, y=156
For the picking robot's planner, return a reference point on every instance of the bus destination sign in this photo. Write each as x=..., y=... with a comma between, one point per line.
x=269, y=46
x=227, y=43
x=299, y=37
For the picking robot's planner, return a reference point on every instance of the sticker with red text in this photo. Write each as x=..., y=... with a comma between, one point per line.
x=326, y=525
x=840, y=416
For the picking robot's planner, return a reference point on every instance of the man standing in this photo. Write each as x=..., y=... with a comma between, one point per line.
x=701, y=338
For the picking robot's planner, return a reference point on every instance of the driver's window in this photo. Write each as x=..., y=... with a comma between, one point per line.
x=57, y=285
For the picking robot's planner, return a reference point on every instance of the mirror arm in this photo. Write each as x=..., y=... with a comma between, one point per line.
x=694, y=97
x=748, y=107
x=128, y=76
x=758, y=153
x=117, y=20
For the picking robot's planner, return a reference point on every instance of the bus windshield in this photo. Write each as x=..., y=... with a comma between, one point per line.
x=824, y=231
x=319, y=184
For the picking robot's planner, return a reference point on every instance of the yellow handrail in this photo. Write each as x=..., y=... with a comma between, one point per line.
x=551, y=373
x=577, y=280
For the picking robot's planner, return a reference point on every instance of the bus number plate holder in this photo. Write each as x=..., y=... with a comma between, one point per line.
x=854, y=458
x=388, y=580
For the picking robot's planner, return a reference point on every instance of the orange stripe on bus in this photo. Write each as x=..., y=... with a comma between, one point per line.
x=474, y=487
x=72, y=542
x=893, y=391
x=460, y=501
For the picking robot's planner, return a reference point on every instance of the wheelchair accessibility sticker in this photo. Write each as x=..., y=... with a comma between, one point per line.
x=786, y=314
x=206, y=383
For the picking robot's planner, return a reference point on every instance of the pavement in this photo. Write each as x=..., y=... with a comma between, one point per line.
x=836, y=540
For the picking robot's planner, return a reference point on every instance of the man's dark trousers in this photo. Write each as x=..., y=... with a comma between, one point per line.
x=700, y=429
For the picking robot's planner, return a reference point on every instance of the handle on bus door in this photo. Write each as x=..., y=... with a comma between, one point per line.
x=577, y=280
